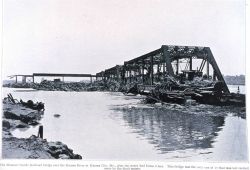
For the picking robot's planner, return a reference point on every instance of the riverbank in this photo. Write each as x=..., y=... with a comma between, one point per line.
x=16, y=116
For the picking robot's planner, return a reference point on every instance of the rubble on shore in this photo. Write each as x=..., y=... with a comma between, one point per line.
x=16, y=115
x=18, y=85
x=60, y=86
x=78, y=86
x=47, y=85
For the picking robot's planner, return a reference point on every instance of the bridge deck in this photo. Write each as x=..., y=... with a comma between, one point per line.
x=62, y=75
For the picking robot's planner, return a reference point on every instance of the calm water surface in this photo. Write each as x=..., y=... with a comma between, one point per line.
x=104, y=126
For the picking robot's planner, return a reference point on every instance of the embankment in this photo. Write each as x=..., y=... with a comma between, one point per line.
x=15, y=115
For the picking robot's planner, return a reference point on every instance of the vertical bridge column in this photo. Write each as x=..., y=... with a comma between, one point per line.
x=151, y=70
x=130, y=75
x=143, y=65
x=166, y=56
x=207, y=69
x=177, y=66
x=190, y=64
x=24, y=79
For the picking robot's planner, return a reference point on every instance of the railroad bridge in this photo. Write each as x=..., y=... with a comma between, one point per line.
x=176, y=61
x=180, y=62
x=34, y=75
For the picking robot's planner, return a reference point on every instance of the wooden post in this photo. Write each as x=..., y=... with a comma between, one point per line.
x=40, y=132
x=16, y=79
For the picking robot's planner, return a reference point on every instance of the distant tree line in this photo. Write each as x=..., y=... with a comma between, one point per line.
x=235, y=80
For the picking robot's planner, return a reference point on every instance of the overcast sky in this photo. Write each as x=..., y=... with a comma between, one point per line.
x=88, y=36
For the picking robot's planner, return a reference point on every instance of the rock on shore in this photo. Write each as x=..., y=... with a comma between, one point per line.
x=35, y=148
x=17, y=116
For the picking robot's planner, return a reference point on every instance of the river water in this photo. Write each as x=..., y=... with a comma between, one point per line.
x=108, y=125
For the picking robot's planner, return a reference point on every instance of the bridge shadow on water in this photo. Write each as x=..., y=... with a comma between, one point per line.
x=172, y=130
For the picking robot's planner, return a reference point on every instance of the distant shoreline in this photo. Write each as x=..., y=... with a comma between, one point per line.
x=236, y=84
x=235, y=80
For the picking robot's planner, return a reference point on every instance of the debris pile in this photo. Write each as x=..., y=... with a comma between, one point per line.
x=24, y=116
x=199, y=90
x=169, y=90
x=78, y=86
x=199, y=82
x=112, y=85
x=108, y=85
x=60, y=86
x=18, y=85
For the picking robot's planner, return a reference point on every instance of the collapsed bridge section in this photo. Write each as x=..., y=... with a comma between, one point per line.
x=171, y=74
x=180, y=62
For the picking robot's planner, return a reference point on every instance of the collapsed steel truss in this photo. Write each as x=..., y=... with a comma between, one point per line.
x=152, y=67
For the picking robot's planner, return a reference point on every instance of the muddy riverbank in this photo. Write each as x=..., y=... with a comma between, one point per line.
x=16, y=116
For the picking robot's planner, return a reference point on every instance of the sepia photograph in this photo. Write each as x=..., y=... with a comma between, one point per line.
x=133, y=80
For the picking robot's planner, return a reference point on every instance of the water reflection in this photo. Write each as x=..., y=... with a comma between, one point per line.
x=171, y=131
x=91, y=129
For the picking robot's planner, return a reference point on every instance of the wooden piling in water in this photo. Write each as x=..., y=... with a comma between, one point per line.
x=40, y=132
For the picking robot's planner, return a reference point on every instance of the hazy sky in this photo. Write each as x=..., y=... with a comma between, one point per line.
x=88, y=36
